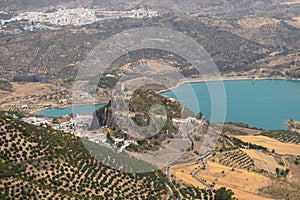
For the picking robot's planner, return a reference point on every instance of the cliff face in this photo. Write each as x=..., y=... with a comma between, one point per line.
x=141, y=113
x=140, y=105
x=103, y=117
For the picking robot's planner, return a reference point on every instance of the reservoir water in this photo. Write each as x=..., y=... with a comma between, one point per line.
x=265, y=104
x=58, y=112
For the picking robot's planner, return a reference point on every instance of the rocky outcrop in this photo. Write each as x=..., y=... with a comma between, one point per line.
x=139, y=108
x=103, y=117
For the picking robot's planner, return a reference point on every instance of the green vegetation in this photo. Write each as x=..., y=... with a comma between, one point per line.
x=30, y=78
x=121, y=161
x=283, y=136
x=41, y=163
x=296, y=162
x=191, y=192
x=280, y=172
x=243, y=144
x=233, y=131
x=242, y=125
x=282, y=189
x=236, y=158
x=199, y=115
x=143, y=99
x=141, y=102
x=109, y=82
x=109, y=138
x=17, y=114
x=224, y=194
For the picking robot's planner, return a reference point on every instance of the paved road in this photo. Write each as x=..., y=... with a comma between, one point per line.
x=168, y=172
x=229, y=141
x=194, y=174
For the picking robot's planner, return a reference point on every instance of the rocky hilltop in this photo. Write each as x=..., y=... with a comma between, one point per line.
x=139, y=107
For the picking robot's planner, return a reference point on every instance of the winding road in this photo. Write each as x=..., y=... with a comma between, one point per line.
x=194, y=173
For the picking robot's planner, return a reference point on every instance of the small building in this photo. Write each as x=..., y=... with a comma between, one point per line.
x=131, y=115
x=172, y=100
x=25, y=106
x=117, y=140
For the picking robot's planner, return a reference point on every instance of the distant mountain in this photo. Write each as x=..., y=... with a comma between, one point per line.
x=30, y=5
x=239, y=35
x=58, y=53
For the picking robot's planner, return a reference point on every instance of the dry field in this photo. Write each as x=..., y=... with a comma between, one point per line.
x=184, y=174
x=35, y=95
x=279, y=147
x=157, y=66
x=293, y=175
x=166, y=155
x=263, y=160
x=27, y=89
x=249, y=131
x=187, y=156
x=244, y=184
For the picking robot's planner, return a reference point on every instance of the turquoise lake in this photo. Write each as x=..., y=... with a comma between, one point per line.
x=58, y=112
x=265, y=104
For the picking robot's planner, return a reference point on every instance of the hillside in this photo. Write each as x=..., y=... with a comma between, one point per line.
x=58, y=53
x=42, y=163
x=253, y=163
x=139, y=108
x=133, y=149
x=37, y=162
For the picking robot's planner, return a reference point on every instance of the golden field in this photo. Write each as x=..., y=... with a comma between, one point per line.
x=244, y=184
x=27, y=89
x=263, y=160
x=270, y=143
x=184, y=174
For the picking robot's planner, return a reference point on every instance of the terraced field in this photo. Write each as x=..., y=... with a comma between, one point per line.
x=235, y=159
x=120, y=161
x=41, y=163
x=284, y=136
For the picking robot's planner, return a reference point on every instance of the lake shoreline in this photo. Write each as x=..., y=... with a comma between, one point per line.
x=185, y=81
x=65, y=107
x=224, y=78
